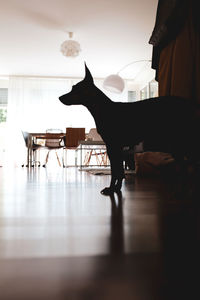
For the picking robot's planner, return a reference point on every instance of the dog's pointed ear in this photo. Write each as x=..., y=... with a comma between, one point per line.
x=88, y=75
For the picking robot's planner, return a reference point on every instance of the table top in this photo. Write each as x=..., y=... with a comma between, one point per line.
x=44, y=135
x=91, y=142
x=47, y=135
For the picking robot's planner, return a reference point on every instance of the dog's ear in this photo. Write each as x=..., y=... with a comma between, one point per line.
x=88, y=75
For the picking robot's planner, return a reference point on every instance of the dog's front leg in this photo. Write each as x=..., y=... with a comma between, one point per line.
x=117, y=170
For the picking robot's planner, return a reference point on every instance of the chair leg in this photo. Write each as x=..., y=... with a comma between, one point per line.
x=97, y=158
x=89, y=158
x=85, y=158
x=105, y=159
x=76, y=158
x=37, y=158
x=101, y=157
x=58, y=159
x=47, y=157
x=65, y=158
x=32, y=158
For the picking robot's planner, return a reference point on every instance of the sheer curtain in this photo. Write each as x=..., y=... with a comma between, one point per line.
x=33, y=106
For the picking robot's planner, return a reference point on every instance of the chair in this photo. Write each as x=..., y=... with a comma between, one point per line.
x=93, y=135
x=72, y=138
x=54, y=142
x=34, y=149
x=100, y=155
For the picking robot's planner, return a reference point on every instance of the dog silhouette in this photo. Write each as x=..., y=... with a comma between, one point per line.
x=167, y=124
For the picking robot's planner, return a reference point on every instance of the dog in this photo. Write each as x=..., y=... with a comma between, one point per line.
x=167, y=124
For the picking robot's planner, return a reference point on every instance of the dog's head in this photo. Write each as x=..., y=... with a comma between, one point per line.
x=77, y=96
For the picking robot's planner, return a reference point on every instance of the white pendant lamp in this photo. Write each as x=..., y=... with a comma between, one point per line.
x=70, y=48
x=114, y=83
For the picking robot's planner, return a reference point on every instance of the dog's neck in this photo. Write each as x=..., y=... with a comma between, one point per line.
x=94, y=97
x=97, y=103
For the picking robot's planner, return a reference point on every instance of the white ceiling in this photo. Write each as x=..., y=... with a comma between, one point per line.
x=112, y=33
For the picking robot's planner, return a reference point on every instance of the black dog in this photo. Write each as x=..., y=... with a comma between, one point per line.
x=166, y=124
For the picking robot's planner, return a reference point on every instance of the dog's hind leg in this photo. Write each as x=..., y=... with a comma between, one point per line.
x=117, y=170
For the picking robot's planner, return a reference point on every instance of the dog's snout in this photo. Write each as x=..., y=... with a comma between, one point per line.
x=61, y=98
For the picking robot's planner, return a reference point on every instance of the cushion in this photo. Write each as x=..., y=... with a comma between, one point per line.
x=152, y=163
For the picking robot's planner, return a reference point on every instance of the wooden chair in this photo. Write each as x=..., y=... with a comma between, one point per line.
x=54, y=141
x=72, y=138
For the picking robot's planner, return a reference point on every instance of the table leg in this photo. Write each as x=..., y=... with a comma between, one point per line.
x=81, y=157
x=76, y=157
x=29, y=152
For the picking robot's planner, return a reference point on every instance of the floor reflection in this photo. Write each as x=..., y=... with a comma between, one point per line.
x=158, y=217
x=116, y=225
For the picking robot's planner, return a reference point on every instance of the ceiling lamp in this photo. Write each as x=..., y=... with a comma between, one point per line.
x=70, y=48
x=114, y=83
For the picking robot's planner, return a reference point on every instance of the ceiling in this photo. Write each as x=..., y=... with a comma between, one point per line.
x=112, y=33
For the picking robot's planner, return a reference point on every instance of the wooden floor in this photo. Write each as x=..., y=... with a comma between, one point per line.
x=61, y=239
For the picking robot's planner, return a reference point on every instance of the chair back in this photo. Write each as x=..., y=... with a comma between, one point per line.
x=73, y=136
x=25, y=136
x=53, y=142
x=93, y=135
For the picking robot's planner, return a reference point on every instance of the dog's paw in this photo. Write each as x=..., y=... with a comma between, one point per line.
x=107, y=191
x=117, y=186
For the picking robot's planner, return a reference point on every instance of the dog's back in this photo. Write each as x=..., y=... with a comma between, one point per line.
x=162, y=119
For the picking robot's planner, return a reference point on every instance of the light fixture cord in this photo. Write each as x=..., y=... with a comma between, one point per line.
x=133, y=62
x=70, y=34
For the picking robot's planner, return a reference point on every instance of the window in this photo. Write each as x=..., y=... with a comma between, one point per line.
x=131, y=96
x=3, y=115
x=143, y=93
x=153, y=89
x=3, y=104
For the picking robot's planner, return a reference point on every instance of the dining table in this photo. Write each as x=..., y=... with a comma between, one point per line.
x=39, y=138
